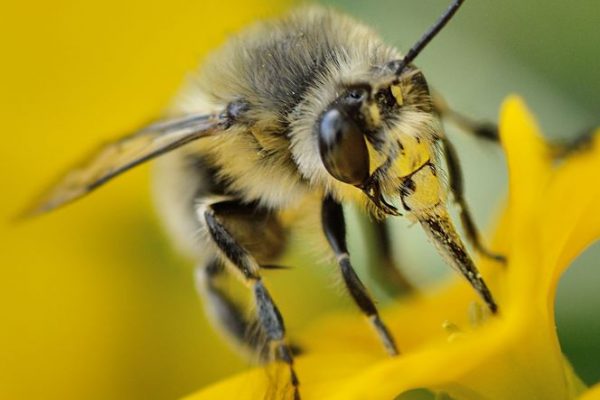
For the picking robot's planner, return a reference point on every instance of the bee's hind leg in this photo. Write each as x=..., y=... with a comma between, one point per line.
x=457, y=188
x=229, y=224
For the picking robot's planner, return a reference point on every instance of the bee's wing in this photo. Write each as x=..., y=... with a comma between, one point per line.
x=117, y=157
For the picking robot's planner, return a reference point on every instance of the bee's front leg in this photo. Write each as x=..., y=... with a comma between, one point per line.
x=334, y=226
x=422, y=196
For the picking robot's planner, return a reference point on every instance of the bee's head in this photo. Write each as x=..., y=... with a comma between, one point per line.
x=378, y=131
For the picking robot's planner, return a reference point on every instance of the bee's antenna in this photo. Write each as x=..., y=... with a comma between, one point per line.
x=430, y=34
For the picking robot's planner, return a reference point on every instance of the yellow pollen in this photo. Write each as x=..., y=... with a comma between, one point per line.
x=375, y=116
x=397, y=93
x=454, y=332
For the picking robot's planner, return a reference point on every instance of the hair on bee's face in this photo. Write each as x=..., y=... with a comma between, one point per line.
x=374, y=113
x=370, y=125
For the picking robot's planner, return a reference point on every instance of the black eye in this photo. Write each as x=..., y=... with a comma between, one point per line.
x=343, y=149
x=357, y=95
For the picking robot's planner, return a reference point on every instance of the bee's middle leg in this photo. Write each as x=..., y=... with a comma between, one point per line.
x=334, y=227
x=388, y=274
x=457, y=188
x=479, y=129
x=225, y=222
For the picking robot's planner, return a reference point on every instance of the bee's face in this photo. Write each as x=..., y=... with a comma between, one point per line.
x=378, y=132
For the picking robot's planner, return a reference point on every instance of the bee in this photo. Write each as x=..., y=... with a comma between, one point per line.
x=312, y=108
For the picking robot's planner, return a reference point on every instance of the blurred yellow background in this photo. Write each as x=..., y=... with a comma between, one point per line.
x=93, y=302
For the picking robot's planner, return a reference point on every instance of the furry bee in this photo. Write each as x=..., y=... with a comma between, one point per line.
x=312, y=108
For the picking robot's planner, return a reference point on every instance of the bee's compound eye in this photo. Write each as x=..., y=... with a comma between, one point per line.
x=357, y=95
x=343, y=149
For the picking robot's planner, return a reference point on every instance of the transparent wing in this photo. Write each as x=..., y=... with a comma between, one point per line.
x=114, y=158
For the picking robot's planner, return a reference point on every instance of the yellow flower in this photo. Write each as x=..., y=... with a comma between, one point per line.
x=450, y=345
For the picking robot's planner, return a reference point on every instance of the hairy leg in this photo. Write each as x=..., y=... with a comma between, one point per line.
x=221, y=219
x=334, y=227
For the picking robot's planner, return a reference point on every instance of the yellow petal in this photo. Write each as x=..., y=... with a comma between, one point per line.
x=526, y=154
x=591, y=394
x=529, y=168
x=552, y=213
x=572, y=208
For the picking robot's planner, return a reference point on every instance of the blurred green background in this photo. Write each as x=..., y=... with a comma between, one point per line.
x=93, y=301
